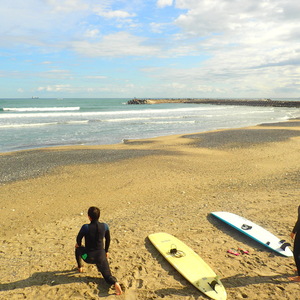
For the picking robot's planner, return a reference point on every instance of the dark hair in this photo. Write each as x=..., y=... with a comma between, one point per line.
x=94, y=213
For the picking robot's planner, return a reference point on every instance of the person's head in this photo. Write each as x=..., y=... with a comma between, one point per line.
x=94, y=213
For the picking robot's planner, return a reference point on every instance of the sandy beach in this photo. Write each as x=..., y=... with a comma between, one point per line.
x=168, y=184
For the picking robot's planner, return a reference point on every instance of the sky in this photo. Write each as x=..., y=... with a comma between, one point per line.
x=150, y=48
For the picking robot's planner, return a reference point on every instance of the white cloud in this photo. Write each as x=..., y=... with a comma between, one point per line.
x=164, y=3
x=67, y=5
x=55, y=88
x=96, y=77
x=58, y=74
x=156, y=27
x=214, y=46
x=215, y=16
x=40, y=23
x=116, y=14
x=67, y=88
x=116, y=45
x=177, y=85
x=160, y=28
x=92, y=33
x=244, y=41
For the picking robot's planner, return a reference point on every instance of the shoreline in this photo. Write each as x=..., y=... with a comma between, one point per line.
x=143, y=186
x=91, y=154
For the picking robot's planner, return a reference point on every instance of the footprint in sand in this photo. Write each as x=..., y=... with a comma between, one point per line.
x=136, y=281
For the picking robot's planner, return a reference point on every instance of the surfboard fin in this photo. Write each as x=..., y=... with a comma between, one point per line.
x=173, y=249
x=175, y=252
x=213, y=284
x=246, y=227
x=284, y=245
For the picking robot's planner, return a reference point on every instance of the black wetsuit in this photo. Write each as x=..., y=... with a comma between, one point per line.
x=296, y=251
x=94, y=251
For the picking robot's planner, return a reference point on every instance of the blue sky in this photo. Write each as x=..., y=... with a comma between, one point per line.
x=157, y=48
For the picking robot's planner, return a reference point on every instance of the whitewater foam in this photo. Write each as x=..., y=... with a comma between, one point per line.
x=32, y=109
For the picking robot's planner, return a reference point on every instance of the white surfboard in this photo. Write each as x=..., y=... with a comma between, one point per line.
x=255, y=232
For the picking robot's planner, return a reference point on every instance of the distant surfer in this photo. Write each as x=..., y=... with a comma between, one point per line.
x=295, y=235
x=95, y=251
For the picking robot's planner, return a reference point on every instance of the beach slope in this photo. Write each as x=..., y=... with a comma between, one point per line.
x=168, y=184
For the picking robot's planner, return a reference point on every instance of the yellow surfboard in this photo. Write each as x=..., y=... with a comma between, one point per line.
x=189, y=264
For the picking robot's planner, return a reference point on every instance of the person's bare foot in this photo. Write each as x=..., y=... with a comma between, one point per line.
x=296, y=278
x=118, y=289
x=80, y=270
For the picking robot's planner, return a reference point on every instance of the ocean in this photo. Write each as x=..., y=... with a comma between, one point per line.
x=36, y=123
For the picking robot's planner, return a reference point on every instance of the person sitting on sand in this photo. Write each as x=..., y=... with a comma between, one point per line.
x=94, y=251
x=295, y=234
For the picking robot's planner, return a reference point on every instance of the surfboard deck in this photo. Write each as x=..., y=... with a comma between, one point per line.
x=189, y=264
x=255, y=232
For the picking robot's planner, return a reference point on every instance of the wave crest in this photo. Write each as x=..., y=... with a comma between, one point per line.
x=31, y=109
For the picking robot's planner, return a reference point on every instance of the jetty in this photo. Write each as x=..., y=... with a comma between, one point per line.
x=247, y=102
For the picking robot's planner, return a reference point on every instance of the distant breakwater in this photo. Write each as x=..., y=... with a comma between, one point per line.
x=247, y=102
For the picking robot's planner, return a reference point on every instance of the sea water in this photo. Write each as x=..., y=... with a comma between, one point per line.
x=36, y=123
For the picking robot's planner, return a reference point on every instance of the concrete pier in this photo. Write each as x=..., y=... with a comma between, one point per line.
x=247, y=102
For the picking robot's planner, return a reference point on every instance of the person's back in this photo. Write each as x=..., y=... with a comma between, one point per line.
x=95, y=236
x=95, y=251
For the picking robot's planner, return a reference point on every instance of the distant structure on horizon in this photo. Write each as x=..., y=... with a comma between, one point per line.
x=247, y=102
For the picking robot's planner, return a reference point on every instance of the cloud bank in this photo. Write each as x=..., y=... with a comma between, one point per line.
x=171, y=48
